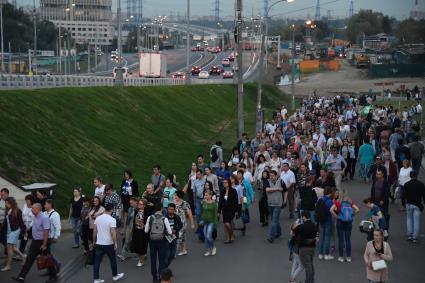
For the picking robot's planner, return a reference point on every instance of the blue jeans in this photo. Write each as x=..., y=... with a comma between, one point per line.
x=208, y=233
x=275, y=230
x=413, y=214
x=344, y=237
x=158, y=251
x=172, y=247
x=98, y=256
x=75, y=223
x=325, y=238
x=198, y=209
x=416, y=165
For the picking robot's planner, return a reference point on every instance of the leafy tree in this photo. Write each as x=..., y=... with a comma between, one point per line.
x=411, y=31
x=367, y=22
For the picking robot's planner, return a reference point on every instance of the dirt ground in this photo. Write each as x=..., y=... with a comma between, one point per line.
x=347, y=79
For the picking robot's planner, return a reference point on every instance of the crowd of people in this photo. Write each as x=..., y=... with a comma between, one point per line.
x=300, y=162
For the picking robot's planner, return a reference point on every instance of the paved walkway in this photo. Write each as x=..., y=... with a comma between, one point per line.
x=251, y=259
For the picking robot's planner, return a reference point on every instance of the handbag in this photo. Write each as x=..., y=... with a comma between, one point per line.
x=379, y=265
x=245, y=216
x=89, y=258
x=237, y=224
x=45, y=261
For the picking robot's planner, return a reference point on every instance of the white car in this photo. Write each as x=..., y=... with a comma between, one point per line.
x=204, y=75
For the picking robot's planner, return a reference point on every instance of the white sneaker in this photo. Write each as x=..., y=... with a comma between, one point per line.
x=118, y=277
x=341, y=259
x=207, y=253
x=329, y=257
x=348, y=259
x=140, y=264
x=214, y=251
x=182, y=253
x=99, y=281
x=320, y=256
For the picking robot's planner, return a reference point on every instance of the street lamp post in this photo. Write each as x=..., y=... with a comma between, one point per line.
x=35, y=37
x=293, y=67
x=1, y=30
x=241, y=120
x=188, y=74
x=119, y=74
x=259, y=114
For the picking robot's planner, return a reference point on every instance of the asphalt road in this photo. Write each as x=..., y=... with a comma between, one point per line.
x=252, y=259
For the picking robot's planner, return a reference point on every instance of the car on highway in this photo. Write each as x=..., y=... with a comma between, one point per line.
x=215, y=50
x=178, y=75
x=210, y=49
x=196, y=70
x=125, y=72
x=231, y=57
x=204, y=75
x=228, y=75
x=225, y=62
x=216, y=70
x=194, y=49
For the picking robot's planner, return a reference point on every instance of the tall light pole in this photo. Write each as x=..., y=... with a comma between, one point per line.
x=2, y=46
x=188, y=74
x=241, y=122
x=259, y=114
x=35, y=36
x=119, y=75
x=293, y=67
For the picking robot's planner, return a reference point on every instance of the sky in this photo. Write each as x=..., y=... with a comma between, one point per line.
x=399, y=9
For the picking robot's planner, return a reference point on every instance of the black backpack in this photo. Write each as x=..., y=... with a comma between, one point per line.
x=321, y=212
x=214, y=155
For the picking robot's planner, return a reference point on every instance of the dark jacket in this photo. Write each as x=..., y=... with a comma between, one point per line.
x=16, y=221
x=384, y=196
x=231, y=204
x=175, y=223
x=134, y=189
x=305, y=234
x=315, y=167
x=374, y=168
x=414, y=193
x=308, y=198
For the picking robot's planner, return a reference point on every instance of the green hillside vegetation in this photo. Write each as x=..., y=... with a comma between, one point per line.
x=70, y=135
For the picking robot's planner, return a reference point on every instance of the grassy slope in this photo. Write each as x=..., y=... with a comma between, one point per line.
x=70, y=135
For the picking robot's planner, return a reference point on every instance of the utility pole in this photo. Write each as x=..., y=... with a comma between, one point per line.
x=60, y=50
x=35, y=37
x=1, y=30
x=293, y=67
x=119, y=75
x=241, y=124
x=188, y=74
x=10, y=59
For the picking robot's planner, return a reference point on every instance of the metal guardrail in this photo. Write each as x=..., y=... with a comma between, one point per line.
x=43, y=81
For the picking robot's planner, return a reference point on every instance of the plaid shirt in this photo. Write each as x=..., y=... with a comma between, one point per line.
x=115, y=199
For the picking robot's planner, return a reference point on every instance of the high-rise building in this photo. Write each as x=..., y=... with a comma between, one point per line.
x=89, y=21
x=134, y=12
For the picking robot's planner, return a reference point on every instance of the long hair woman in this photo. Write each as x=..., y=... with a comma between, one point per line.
x=15, y=226
x=228, y=208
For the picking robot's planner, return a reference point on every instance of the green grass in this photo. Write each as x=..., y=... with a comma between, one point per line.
x=68, y=136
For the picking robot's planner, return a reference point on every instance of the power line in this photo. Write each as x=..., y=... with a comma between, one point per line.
x=306, y=8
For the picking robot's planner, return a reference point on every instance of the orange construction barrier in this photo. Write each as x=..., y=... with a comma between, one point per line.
x=309, y=66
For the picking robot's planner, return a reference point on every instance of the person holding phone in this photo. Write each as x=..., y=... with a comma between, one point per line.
x=377, y=250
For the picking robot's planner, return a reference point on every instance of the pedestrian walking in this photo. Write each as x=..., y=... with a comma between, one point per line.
x=105, y=242
x=168, y=195
x=99, y=188
x=157, y=180
x=209, y=219
x=336, y=164
x=128, y=228
x=414, y=194
x=158, y=226
x=176, y=225
x=263, y=204
x=76, y=205
x=276, y=197
x=216, y=156
x=343, y=211
x=228, y=208
x=27, y=217
x=184, y=212
x=403, y=178
x=14, y=227
x=129, y=189
x=39, y=243
x=86, y=234
x=366, y=157
x=324, y=218
x=377, y=251
x=96, y=210
x=306, y=238
x=140, y=239
x=297, y=266
x=54, y=231
x=4, y=194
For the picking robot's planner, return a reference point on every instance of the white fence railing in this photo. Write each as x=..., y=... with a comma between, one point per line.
x=44, y=81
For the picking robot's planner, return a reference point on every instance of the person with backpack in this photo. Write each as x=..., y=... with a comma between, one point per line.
x=343, y=211
x=324, y=218
x=216, y=156
x=158, y=226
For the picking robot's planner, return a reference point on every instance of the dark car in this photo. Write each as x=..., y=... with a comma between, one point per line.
x=196, y=70
x=216, y=70
x=179, y=75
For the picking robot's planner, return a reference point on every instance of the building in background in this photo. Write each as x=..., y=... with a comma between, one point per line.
x=134, y=13
x=89, y=21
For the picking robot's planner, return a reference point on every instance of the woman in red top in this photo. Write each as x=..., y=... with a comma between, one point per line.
x=343, y=211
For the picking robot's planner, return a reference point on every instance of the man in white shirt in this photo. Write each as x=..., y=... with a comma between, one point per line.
x=158, y=226
x=288, y=177
x=99, y=188
x=4, y=194
x=105, y=242
x=54, y=234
